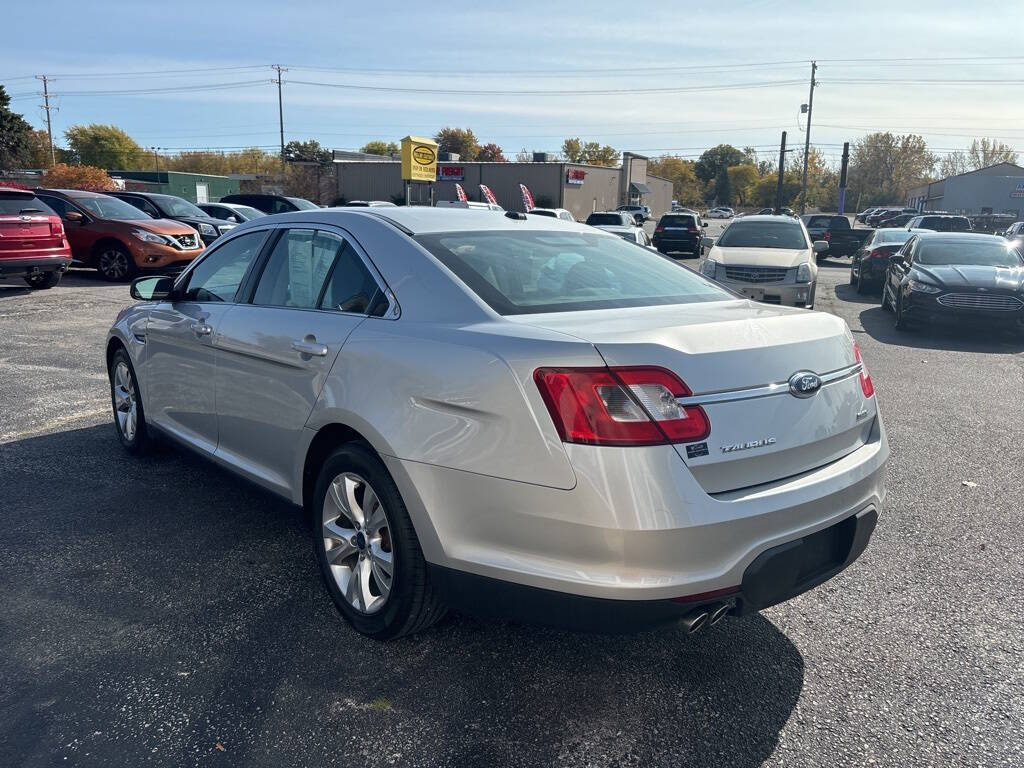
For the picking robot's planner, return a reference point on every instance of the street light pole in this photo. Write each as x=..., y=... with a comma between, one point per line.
x=807, y=139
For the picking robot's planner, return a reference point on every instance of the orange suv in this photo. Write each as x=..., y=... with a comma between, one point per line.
x=119, y=239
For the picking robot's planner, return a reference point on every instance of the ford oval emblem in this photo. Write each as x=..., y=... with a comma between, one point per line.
x=804, y=384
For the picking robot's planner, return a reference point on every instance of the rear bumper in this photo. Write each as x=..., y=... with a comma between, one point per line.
x=873, y=270
x=681, y=243
x=637, y=527
x=777, y=574
x=24, y=266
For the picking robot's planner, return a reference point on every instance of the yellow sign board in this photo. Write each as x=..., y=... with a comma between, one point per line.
x=419, y=159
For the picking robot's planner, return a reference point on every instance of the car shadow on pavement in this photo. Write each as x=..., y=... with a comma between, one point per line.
x=878, y=324
x=846, y=292
x=159, y=607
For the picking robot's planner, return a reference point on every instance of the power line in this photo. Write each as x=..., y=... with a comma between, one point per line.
x=570, y=92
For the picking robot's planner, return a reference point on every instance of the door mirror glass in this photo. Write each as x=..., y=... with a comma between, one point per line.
x=74, y=217
x=152, y=288
x=896, y=258
x=820, y=246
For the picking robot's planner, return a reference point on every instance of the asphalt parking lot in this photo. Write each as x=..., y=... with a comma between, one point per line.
x=162, y=612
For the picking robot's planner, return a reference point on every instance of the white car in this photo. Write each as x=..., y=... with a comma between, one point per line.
x=468, y=204
x=720, y=213
x=630, y=235
x=554, y=213
x=510, y=415
x=640, y=213
x=766, y=258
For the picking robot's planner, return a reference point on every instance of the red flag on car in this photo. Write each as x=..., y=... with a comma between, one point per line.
x=527, y=198
x=460, y=193
x=488, y=195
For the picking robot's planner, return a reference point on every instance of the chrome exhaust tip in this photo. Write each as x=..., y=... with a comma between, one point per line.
x=718, y=613
x=695, y=620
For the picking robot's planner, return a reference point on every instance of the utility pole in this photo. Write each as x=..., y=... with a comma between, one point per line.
x=782, y=167
x=49, y=128
x=842, y=177
x=807, y=139
x=280, y=116
x=156, y=158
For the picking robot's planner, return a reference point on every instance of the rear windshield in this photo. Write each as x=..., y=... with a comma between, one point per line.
x=12, y=205
x=893, y=236
x=991, y=253
x=817, y=221
x=177, y=206
x=542, y=272
x=605, y=219
x=677, y=221
x=763, y=234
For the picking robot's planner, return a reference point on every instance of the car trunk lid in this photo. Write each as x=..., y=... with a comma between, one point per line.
x=23, y=233
x=737, y=358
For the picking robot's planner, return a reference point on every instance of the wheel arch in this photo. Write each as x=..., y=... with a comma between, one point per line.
x=108, y=240
x=327, y=438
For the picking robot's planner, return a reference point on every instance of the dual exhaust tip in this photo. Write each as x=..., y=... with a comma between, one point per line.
x=706, y=616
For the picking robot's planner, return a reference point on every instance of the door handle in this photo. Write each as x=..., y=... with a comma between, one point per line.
x=200, y=328
x=311, y=348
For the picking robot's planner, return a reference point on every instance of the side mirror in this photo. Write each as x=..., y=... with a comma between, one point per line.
x=707, y=242
x=820, y=246
x=235, y=219
x=896, y=258
x=703, y=223
x=74, y=217
x=152, y=288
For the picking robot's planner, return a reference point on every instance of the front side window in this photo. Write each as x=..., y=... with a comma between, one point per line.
x=105, y=207
x=217, y=277
x=177, y=206
x=539, y=272
x=302, y=204
x=764, y=234
x=60, y=207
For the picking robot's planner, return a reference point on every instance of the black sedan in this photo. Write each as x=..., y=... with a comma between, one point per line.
x=871, y=261
x=178, y=208
x=958, y=278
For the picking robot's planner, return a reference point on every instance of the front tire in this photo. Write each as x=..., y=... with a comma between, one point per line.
x=115, y=263
x=43, y=281
x=901, y=321
x=369, y=556
x=861, y=286
x=129, y=415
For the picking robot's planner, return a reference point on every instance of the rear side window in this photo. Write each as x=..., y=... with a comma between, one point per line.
x=217, y=277
x=350, y=287
x=12, y=205
x=296, y=270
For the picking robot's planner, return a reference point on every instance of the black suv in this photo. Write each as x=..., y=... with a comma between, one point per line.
x=272, y=203
x=678, y=233
x=179, y=209
x=941, y=223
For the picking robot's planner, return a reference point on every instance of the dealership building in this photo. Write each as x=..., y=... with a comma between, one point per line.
x=995, y=189
x=577, y=187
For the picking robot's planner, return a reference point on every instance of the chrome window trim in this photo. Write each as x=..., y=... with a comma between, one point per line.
x=767, y=390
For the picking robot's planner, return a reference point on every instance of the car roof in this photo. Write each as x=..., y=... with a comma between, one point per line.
x=960, y=237
x=17, y=191
x=421, y=220
x=768, y=217
x=76, y=192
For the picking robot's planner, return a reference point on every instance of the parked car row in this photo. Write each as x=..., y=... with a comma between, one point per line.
x=928, y=277
x=842, y=239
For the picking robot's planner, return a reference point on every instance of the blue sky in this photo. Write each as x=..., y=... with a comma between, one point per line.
x=739, y=69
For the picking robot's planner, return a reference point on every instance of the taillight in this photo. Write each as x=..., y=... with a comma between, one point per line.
x=827, y=236
x=620, y=406
x=659, y=229
x=56, y=226
x=881, y=253
x=867, y=386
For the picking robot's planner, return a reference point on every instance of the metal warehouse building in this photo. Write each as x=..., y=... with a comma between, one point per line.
x=577, y=187
x=996, y=189
x=194, y=187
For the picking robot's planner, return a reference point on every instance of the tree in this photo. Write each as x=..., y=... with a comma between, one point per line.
x=741, y=180
x=38, y=153
x=491, y=153
x=576, y=151
x=685, y=186
x=64, y=176
x=380, y=147
x=306, y=152
x=986, y=152
x=954, y=164
x=105, y=146
x=884, y=166
x=460, y=140
x=723, y=187
x=713, y=160
x=15, y=134
x=764, y=190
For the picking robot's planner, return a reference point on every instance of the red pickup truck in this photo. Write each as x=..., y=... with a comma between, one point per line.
x=33, y=245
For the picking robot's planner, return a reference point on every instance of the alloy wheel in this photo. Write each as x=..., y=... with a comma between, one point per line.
x=126, y=407
x=357, y=542
x=113, y=264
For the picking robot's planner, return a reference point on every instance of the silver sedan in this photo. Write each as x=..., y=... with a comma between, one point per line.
x=510, y=415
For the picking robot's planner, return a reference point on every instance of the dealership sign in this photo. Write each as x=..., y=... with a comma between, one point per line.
x=575, y=176
x=419, y=159
x=451, y=173
x=1018, y=192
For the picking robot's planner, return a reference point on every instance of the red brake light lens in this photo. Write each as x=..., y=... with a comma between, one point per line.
x=620, y=406
x=56, y=226
x=882, y=252
x=659, y=229
x=867, y=386
x=827, y=236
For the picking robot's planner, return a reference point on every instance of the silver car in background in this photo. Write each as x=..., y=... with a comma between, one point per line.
x=510, y=415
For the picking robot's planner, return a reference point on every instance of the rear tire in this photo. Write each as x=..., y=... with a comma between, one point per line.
x=43, y=281
x=886, y=305
x=361, y=528
x=862, y=287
